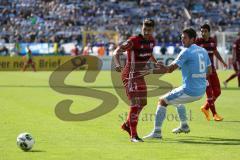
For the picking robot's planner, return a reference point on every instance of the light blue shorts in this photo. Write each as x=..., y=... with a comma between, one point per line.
x=177, y=96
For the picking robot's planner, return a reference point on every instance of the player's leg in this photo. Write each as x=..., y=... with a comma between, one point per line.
x=137, y=94
x=216, y=92
x=181, y=99
x=139, y=100
x=25, y=66
x=232, y=76
x=33, y=66
x=126, y=126
x=135, y=110
x=183, y=120
x=238, y=73
x=209, y=101
x=175, y=97
x=160, y=116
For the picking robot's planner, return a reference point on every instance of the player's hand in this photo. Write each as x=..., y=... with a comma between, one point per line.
x=159, y=64
x=118, y=68
x=207, y=83
x=225, y=65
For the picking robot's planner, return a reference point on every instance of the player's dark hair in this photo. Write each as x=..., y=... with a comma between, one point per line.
x=190, y=32
x=149, y=22
x=206, y=26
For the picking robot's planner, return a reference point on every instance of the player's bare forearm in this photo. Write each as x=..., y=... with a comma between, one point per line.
x=116, y=54
x=220, y=58
x=157, y=64
x=165, y=69
x=171, y=68
x=153, y=59
x=160, y=70
x=116, y=60
x=119, y=50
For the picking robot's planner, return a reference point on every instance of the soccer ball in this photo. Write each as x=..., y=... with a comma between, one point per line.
x=25, y=141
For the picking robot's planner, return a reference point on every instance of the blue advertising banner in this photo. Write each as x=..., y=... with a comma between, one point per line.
x=37, y=48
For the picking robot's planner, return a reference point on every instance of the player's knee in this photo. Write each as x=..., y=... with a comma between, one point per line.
x=217, y=93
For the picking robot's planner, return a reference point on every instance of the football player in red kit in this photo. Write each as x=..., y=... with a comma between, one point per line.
x=213, y=90
x=236, y=62
x=139, y=52
x=29, y=60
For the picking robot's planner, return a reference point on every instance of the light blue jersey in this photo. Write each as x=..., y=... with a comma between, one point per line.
x=193, y=62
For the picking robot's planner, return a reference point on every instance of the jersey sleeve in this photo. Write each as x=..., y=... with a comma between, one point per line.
x=181, y=58
x=127, y=45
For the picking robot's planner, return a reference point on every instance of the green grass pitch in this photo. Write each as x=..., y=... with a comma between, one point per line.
x=28, y=103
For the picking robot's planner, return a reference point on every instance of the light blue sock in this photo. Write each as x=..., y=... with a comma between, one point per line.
x=160, y=116
x=182, y=114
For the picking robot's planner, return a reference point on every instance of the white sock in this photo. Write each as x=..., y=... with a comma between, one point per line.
x=182, y=114
x=160, y=116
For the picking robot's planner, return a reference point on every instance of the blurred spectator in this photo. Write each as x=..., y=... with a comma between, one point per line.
x=75, y=51
x=87, y=49
x=177, y=49
x=39, y=21
x=101, y=51
x=163, y=49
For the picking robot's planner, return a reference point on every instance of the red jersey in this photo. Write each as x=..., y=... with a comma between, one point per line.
x=236, y=47
x=210, y=45
x=139, y=51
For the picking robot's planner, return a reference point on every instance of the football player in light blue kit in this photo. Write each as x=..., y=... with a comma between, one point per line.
x=195, y=65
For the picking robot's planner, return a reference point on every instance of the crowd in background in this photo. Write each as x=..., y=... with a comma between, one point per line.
x=64, y=21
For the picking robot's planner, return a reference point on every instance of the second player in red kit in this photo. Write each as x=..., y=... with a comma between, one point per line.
x=236, y=62
x=213, y=90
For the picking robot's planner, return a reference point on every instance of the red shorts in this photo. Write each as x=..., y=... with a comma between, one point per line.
x=135, y=87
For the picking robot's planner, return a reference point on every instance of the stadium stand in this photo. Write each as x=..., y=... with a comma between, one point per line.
x=65, y=20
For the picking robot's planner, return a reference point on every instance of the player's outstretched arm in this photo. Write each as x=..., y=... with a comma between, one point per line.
x=164, y=69
x=216, y=53
x=171, y=68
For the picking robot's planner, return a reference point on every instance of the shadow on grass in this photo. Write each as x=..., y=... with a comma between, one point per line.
x=36, y=151
x=229, y=121
x=205, y=140
x=231, y=88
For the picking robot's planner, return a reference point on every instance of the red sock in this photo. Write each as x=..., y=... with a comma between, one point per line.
x=133, y=119
x=128, y=118
x=213, y=109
